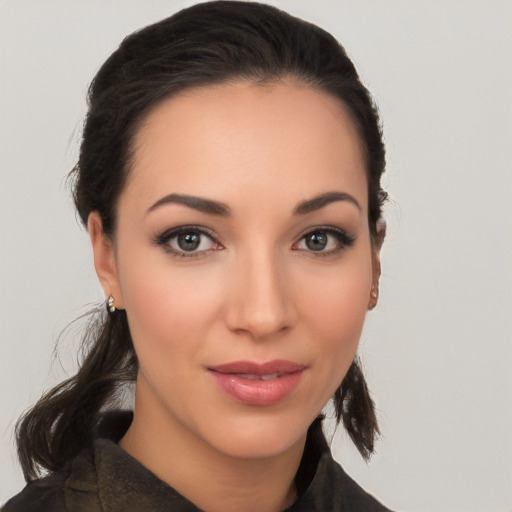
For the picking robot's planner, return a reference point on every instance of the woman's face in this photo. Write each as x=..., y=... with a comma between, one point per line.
x=243, y=259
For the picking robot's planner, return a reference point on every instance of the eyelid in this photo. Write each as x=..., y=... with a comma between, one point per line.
x=344, y=238
x=163, y=239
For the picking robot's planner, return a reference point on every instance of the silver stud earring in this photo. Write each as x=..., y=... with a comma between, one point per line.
x=374, y=295
x=111, y=305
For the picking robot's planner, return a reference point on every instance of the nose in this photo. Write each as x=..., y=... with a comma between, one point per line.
x=260, y=301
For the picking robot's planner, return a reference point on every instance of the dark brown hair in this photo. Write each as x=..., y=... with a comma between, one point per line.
x=205, y=44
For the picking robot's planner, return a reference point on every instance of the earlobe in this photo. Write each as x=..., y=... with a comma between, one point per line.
x=104, y=259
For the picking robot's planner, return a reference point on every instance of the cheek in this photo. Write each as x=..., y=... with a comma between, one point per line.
x=336, y=307
x=168, y=308
x=336, y=300
x=338, y=323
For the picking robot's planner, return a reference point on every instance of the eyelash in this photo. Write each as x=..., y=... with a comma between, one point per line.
x=343, y=238
x=168, y=235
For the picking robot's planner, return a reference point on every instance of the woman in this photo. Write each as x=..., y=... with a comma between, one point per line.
x=229, y=177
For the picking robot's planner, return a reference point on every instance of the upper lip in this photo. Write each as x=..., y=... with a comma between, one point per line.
x=279, y=366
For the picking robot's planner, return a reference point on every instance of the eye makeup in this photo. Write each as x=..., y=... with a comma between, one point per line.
x=187, y=242
x=324, y=241
x=193, y=241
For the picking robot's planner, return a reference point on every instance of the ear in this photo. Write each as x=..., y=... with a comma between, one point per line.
x=376, y=269
x=104, y=259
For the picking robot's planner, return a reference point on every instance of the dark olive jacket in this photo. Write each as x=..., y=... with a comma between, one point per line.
x=104, y=478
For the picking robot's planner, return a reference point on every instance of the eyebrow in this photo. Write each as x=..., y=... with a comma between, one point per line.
x=217, y=208
x=322, y=200
x=197, y=203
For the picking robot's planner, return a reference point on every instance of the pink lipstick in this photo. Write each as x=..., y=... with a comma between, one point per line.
x=258, y=383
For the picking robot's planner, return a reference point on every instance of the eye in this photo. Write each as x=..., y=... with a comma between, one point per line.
x=187, y=241
x=324, y=241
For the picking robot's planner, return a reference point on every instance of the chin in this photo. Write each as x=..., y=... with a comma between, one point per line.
x=258, y=437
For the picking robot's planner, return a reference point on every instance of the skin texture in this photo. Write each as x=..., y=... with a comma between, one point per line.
x=255, y=291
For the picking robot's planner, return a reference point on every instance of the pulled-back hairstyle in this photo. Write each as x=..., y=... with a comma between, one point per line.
x=205, y=44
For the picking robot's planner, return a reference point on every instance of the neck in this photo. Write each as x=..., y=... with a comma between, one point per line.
x=212, y=480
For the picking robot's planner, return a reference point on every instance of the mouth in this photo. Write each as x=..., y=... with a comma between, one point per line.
x=250, y=376
x=259, y=384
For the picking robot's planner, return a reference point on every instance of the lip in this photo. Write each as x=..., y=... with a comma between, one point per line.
x=260, y=384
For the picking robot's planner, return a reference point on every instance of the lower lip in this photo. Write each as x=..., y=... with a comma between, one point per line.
x=257, y=392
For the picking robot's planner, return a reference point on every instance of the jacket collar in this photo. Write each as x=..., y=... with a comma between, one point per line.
x=125, y=484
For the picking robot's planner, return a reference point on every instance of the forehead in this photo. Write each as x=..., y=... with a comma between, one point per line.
x=276, y=140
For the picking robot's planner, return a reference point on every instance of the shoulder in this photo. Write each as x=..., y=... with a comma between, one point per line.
x=334, y=490
x=72, y=489
x=354, y=497
x=42, y=495
x=331, y=489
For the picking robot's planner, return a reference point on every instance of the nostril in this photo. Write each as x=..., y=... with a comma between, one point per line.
x=260, y=324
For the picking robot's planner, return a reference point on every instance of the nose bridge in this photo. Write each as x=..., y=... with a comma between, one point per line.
x=261, y=304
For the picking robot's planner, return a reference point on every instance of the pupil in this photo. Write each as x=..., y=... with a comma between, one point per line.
x=189, y=241
x=316, y=241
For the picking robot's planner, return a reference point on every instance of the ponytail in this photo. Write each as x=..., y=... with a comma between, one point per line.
x=65, y=418
x=354, y=405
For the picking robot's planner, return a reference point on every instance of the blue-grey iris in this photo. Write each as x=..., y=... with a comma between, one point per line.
x=316, y=241
x=189, y=241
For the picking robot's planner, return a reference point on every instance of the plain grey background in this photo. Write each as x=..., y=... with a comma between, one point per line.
x=437, y=350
